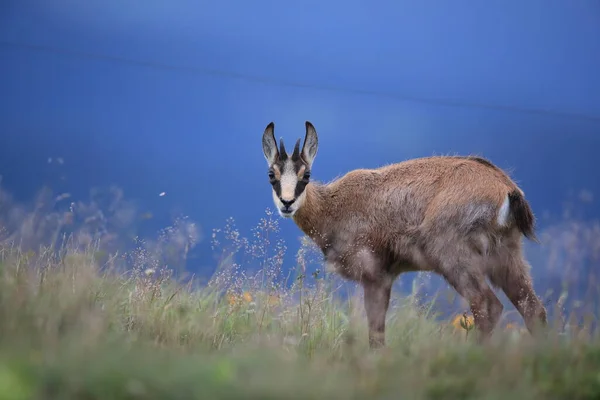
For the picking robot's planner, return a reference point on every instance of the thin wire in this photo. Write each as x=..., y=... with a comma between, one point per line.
x=284, y=83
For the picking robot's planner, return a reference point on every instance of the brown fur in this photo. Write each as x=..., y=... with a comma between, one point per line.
x=429, y=214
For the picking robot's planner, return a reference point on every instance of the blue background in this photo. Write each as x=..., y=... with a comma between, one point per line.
x=156, y=96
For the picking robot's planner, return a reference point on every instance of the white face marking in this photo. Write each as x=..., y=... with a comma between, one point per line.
x=503, y=212
x=293, y=208
x=288, y=182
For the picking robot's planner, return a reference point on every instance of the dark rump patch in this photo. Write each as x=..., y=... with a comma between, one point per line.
x=523, y=215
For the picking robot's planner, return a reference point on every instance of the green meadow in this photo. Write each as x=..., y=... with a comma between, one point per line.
x=77, y=322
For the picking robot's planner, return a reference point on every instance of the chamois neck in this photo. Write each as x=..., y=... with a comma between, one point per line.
x=312, y=216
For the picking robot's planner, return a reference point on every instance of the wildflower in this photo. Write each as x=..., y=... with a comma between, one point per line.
x=510, y=326
x=463, y=321
x=232, y=299
x=247, y=297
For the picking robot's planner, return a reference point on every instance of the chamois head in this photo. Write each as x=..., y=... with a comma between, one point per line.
x=289, y=174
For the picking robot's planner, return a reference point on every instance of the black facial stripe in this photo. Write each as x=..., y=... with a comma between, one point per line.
x=277, y=188
x=300, y=186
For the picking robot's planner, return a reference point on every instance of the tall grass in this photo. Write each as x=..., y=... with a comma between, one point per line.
x=78, y=321
x=73, y=327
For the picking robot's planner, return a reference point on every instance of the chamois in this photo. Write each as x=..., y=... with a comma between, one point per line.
x=459, y=216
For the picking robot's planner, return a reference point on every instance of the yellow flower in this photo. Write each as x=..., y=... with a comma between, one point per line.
x=463, y=321
x=510, y=326
x=247, y=297
x=232, y=299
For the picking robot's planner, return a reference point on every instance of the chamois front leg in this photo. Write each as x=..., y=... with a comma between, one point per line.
x=377, y=299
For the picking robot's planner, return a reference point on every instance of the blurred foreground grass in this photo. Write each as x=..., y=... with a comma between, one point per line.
x=74, y=328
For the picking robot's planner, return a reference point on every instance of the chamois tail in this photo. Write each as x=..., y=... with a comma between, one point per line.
x=522, y=214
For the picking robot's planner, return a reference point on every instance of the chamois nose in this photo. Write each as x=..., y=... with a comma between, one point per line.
x=287, y=203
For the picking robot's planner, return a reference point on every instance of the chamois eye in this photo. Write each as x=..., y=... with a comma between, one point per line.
x=271, y=175
x=306, y=175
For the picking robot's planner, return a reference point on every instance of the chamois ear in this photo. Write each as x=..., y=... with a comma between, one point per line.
x=311, y=144
x=269, y=144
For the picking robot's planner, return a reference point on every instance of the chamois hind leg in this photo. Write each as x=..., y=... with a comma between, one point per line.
x=485, y=306
x=377, y=299
x=466, y=276
x=511, y=274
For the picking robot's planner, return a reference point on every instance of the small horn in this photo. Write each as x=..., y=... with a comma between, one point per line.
x=282, y=152
x=296, y=153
